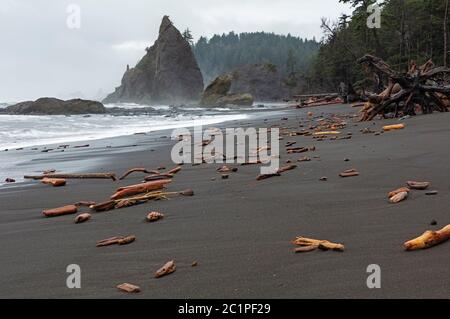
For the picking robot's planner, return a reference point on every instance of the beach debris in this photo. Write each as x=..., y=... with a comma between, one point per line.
x=289, y=144
x=323, y=178
x=418, y=185
x=349, y=173
x=131, y=190
x=136, y=200
x=266, y=176
x=49, y=171
x=433, y=222
x=397, y=198
x=165, y=270
x=10, y=180
x=397, y=191
x=194, y=264
x=174, y=171
x=304, y=159
x=116, y=241
x=55, y=182
x=295, y=150
x=388, y=128
x=84, y=203
x=428, y=239
x=82, y=218
x=226, y=169
x=60, y=211
x=251, y=163
x=225, y=176
x=419, y=88
x=81, y=146
x=309, y=244
x=139, y=169
x=326, y=133
x=74, y=176
x=431, y=193
x=129, y=288
x=154, y=216
x=286, y=168
x=157, y=177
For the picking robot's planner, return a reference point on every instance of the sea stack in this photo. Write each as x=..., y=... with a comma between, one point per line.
x=167, y=74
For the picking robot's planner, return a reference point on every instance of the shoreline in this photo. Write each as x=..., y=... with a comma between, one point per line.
x=240, y=230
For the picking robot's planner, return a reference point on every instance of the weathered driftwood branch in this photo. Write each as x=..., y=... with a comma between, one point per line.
x=428, y=239
x=141, y=170
x=419, y=88
x=309, y=244
x=74, y=176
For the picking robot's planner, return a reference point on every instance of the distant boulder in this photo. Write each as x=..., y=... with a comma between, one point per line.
x=53, y=106
x=217, y=93
x=167, y=74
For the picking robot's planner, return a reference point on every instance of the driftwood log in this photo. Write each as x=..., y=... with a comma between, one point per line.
x=428, y=239
x=422, y=88
x=73, y=176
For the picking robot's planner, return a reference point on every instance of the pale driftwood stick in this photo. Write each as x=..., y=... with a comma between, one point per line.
x=74, y=176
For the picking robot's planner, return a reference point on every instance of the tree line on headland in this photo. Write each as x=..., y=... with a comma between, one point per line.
x=410, y=30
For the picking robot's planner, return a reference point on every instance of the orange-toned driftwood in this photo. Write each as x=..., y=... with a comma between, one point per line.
x=167, y=269
x=428, y=239
x=286, y=168
x=397, y=198
x=349, y=173
x=157, y=177
x=399, y=190
x=154, y=216
x=55, y=182
x=74, y=176
x=131, y=190
x=116, y=241
x=173, y=171
x=60, y=211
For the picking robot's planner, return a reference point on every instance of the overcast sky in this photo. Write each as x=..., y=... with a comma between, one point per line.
x=41, y=56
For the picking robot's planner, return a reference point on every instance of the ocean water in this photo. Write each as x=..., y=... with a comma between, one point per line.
x=20, y=131
x=27, y=131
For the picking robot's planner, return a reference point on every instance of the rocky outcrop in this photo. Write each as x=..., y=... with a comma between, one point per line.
x=217, y=93
x=261, y=81
x=52, y=106
x=167, y=74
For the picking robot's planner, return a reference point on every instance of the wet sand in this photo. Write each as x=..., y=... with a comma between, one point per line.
x=240, y=230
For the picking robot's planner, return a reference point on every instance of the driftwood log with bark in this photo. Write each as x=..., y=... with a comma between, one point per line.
x=423, y=88
x=73, y=176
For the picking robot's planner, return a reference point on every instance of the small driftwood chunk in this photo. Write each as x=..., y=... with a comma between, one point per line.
x=154, y=216
x=428, y=239
x=418, y=185
x=397, y=198
x=60, y=211
x=82, y=218
x=116, y=241
x=165, y=270
x=129, y=288
x=349, y=173
x=286, y=168
x=55, y=182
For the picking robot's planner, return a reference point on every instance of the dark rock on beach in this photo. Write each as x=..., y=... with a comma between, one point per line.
x=167, y=74
x=53, y=106
x=218, y=93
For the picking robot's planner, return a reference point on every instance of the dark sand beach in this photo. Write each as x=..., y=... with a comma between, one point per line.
x=240, y=230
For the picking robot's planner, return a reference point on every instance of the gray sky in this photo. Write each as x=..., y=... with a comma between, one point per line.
x=41, y=56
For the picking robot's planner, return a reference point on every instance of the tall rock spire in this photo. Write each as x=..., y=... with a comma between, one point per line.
x=167, y=74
